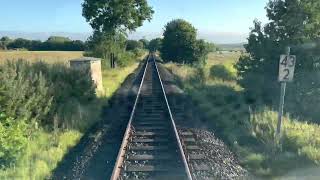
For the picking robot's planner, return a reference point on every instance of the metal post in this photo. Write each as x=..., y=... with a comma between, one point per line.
x=281, y=105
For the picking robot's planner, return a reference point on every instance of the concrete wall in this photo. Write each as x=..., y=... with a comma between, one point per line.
x=95, y=70
x=96, y=74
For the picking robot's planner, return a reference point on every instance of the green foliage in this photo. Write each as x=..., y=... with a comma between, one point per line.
x=54, y=43
x=4, y=42
x=180, y=44
x=155, y=45
x=41, y=155
x=101, y=44
x=263, y=126
x=145, y=43
x=198, y=79
x=112, y=15
x=111, y=20
x=298, y=137
x=40, y=92
x=25, y=92
x=211, y=47
x=13, y=140
x=292, y=23
x=223, y=72
x=127, y=58
x=133, y=45
x=250, y=131
x=58, y=39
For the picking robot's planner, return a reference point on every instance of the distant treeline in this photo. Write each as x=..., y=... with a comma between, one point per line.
x=53, y=43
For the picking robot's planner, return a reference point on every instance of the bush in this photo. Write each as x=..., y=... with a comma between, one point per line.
x=25, y=92
x=126, y=59
x=223, y=72
x=43, y=93
x=13, y=140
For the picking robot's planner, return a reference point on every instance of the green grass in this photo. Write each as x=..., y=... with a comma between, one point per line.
x=112, y=78
x=43, y=153
x=249, y=133
x=45, y=149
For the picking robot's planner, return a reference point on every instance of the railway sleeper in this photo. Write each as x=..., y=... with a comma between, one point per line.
x=149, y=148
x=145, y=133
x=149, y=168
x=150, y=140
x=146, y=157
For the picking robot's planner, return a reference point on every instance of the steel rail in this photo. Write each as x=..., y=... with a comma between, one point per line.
x=187, y=169
x=122, y=151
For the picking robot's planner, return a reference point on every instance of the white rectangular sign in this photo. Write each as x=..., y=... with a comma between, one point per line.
x=286, y=68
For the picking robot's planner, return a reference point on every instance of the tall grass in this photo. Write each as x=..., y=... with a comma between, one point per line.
x=51, y=57
x=249, y=131
x=47, y=145
x=42, y=154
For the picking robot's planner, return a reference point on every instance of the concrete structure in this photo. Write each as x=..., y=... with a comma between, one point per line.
x=94, y=64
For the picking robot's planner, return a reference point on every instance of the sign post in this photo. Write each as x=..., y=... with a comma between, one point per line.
x=286, y=72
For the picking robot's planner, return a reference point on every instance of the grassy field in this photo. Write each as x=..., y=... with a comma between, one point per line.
x=46, y=56
x=45, y=149
x=249, y=133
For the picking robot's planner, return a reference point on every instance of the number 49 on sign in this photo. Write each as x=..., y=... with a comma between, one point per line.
x=286, y=68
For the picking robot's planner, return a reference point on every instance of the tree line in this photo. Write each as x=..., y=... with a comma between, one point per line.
x=53, y=43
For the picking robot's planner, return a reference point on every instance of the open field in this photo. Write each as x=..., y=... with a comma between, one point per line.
x=47, y=56
x=223, y=58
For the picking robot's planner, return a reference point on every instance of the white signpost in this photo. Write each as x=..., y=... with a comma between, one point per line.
x=286, y=71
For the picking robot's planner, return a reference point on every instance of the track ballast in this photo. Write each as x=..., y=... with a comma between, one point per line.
x=151, y=148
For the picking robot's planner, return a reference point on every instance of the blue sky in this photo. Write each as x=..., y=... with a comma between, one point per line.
x=211, y=17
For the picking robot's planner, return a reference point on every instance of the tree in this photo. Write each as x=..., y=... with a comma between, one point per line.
x=58, y=39
x=102, y=44
x=180, y=43
x=133, y=44
x=114, y=17
x=294, y=23
x=145, y=43
x=4, y=42
x=155, y=44
x=20, y=43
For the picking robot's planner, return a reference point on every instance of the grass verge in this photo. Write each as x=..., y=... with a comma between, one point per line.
x=46, y=148
x=249, y=132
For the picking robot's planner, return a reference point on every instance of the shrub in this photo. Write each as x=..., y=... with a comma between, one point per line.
x=25, y=92
x=126, y=58
x=199, y=77
x=223, y=72
x=13, y=140
x=41, y=92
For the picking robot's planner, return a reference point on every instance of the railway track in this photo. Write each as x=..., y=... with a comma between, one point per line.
x=151, y=147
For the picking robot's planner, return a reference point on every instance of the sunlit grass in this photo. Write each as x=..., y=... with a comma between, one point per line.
x=46, y=149
x=250, y=134
x=112, y=78
x=42, y=155
x=46, y=56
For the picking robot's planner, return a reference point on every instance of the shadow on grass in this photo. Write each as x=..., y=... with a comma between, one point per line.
x=94, y=156
x=222, y=109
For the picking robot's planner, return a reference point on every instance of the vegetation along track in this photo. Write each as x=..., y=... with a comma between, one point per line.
x=151, y=148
